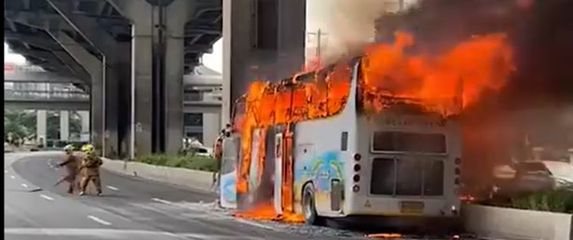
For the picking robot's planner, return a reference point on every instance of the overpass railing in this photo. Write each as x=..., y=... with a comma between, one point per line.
x=34, y=95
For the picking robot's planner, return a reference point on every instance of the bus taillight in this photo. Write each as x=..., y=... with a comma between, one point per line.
x=357, y=167
x=357, y=157
x=356, y=178
x=355, y=188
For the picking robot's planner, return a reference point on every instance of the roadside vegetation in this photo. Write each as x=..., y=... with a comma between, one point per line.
x=560, y=201
x=552, y=201
x=203, y=163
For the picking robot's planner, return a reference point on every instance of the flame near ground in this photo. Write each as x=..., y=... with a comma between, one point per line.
x=457, y=75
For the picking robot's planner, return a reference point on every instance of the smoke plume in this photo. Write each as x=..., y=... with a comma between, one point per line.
x=347, y=25
x=535, y=106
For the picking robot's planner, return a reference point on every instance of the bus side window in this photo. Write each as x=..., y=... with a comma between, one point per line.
x=344, y=141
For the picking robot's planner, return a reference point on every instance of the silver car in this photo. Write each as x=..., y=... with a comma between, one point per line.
x=534, y=176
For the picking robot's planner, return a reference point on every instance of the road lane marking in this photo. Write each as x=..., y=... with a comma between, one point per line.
x=103, y=233
x=161, y=201
x=98, y=220
x=12, y=177
x=24, y=185
x=47, y=197
x=5, y=171
x=112, y=188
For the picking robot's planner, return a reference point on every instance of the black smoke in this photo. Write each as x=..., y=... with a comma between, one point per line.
x=535, y=107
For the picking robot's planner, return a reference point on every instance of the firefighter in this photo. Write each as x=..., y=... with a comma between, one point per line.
x=89, y=169
x=71, y=164
x=218, y=152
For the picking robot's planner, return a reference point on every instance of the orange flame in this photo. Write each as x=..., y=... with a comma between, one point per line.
x=384, y=235
x=460, y=74
x=266, y=211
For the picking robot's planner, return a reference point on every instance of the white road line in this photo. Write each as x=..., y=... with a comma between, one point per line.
x=161, y=201
x=5, y=171
x=24, y=185
x=112, y=188
x=252, y=223
x=98, y=220
x=12, y=177
x=47, y=197
x=100, y=233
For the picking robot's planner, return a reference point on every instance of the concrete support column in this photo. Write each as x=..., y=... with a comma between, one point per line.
x=178, y=13
x=64, y=125
x=111, y=113
x=85, y=117
x=114, y=56
x=96, y=70
x=41, y=126
x=211, y=128
x=141, y=78
x=164, y=130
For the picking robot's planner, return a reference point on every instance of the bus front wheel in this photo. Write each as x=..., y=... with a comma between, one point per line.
x=309, y=206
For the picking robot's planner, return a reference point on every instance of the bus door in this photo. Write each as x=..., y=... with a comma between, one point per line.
x=278, y=148
x=284, y=171
x=228, y=173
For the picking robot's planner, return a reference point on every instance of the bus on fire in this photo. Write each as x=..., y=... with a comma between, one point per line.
x=325, y=146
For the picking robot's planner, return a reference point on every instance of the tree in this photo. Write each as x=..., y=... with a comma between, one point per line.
x=21, y=123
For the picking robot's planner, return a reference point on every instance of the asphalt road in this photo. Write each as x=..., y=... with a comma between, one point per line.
x=130, y=208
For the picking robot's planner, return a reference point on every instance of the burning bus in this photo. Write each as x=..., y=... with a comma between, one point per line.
x=335, y=159
x=351, y=139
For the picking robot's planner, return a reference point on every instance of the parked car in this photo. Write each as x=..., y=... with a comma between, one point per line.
x=531, y=176
x=203, y=151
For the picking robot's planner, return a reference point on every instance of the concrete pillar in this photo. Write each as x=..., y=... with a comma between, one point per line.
x=113, y=65
x=211, y=127
x=178, y=13
x=141, y=76
x=64, y=125
x=276, y=51
x=157, y=130
x=111, y=110
x=41, y=126
x=96, y=70
x=107, y=108
x=85, y=117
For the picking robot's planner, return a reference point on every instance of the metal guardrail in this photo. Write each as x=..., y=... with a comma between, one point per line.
x=44, y=95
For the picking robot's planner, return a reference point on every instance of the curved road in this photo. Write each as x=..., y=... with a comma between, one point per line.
x=130, y=208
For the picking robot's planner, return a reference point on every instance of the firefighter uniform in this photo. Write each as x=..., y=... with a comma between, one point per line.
x=71, y=164
x=89, y=170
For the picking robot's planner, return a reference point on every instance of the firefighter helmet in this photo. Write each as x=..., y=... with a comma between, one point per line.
x=88, y=148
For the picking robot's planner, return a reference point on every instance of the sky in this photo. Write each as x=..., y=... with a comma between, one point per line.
x=213, y=60
x=13, y=58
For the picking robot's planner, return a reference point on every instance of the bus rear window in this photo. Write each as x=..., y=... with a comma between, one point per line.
x=409, y=142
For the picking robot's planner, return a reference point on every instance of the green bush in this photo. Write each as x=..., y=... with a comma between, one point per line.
x=553, y=201
x=191, y=162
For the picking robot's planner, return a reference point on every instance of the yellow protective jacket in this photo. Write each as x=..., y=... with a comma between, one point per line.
x=90, y=165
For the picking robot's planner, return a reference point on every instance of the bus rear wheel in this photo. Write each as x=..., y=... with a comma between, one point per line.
x=309, y=206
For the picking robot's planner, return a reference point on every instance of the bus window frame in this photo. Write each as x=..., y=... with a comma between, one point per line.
x=422, y=196
x=371, y=148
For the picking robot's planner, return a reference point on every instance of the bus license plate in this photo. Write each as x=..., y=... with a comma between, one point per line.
x=412, y=207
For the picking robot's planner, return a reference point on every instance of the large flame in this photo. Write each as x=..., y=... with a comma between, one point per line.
x=458, y=75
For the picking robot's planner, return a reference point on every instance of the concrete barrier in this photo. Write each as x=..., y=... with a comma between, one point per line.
x=195, y=179
x=508, y=223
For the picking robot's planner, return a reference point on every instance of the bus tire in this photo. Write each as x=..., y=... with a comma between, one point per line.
x=309, y=206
